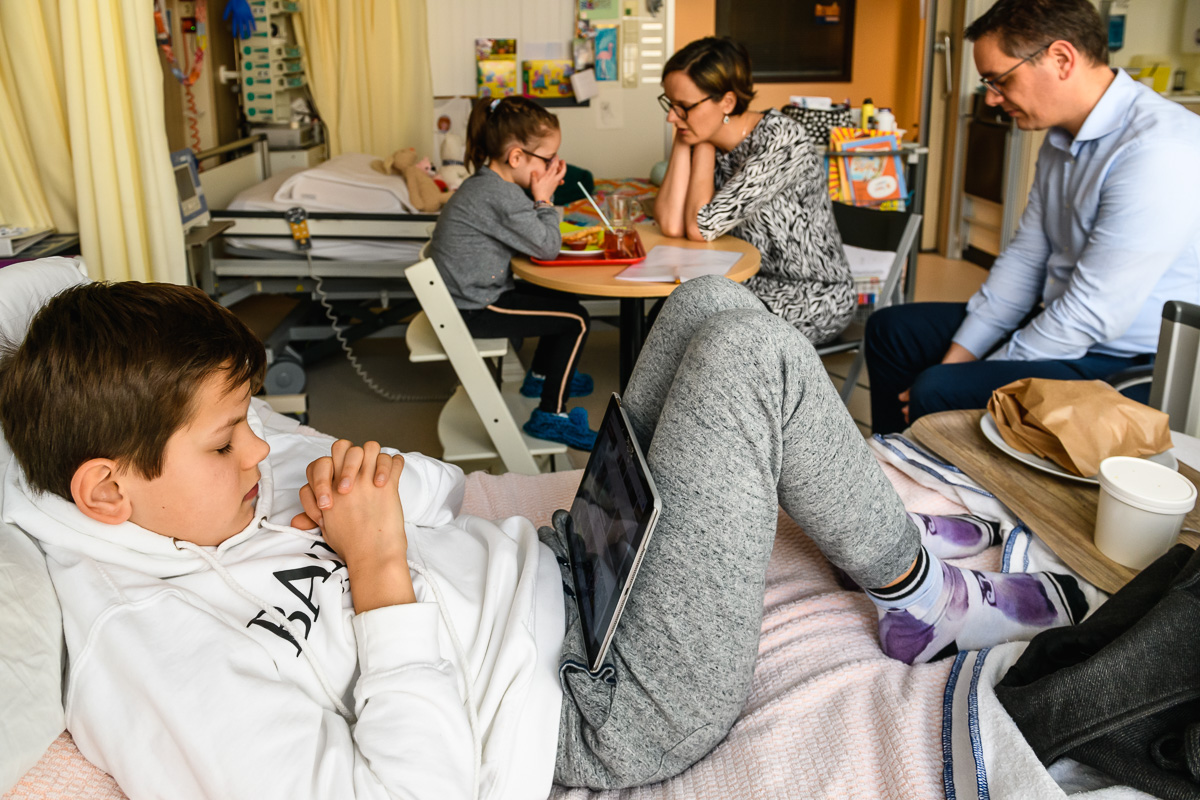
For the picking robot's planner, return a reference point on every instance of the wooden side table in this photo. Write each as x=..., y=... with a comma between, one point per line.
x=601, y=281
x=1061, y=512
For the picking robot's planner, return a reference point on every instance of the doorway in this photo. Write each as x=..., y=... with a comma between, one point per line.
x=981, y=164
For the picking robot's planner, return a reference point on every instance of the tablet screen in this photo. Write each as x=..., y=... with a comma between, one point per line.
x=611, y=519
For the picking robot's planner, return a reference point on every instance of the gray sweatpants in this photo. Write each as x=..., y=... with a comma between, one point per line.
x=737, y=417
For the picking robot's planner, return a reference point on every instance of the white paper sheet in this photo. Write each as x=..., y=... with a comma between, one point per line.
x=868, y=263
x=583, y=83
x=667, y=264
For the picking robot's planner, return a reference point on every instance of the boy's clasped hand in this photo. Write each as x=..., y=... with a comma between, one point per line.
x=362, y=519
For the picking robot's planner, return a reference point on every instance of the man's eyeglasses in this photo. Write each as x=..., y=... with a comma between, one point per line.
x=680, y=109
x=996, y=84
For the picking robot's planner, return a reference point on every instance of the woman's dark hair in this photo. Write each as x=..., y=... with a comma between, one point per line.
x=1024, y=26
x=716, y=66
x=495, y=125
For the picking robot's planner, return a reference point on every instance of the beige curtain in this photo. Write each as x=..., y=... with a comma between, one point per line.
x=36, y=184
x=368, y=66
x=81, y=88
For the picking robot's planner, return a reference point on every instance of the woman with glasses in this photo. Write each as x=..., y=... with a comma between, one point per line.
x=757, y=176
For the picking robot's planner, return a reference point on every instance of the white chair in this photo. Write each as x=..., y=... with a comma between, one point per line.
x=480, y=421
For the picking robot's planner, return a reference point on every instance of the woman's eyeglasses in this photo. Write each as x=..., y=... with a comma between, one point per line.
x=680, y=109
x=996, y=84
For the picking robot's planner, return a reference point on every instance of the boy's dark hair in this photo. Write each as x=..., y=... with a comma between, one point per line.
x=112, y=370
x=1024, y=26
x=716, y=66
x=496, y=125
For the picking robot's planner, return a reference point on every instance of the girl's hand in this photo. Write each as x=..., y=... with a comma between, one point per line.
x=544, y=181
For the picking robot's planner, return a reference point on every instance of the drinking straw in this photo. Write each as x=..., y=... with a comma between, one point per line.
x=603, y=218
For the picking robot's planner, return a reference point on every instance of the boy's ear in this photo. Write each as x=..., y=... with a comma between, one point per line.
x=98, y=494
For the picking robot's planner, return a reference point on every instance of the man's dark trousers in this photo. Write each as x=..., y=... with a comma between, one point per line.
x=904, y=347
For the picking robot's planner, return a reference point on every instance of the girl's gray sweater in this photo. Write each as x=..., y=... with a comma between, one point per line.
x=485, y=223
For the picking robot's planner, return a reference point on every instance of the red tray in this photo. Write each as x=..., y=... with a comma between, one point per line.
x=579, y=261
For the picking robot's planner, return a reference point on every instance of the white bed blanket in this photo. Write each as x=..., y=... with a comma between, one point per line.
x=985, y=756
x=328, y=194
x=346, y=183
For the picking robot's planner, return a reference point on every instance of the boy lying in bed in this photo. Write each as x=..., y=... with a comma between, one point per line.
x=216, y=648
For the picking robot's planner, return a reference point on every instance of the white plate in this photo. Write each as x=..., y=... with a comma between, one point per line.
x=598, y=251
x=992, y=434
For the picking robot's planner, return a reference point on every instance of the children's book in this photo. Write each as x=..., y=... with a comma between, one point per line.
x=841, y=189
x=875, y=180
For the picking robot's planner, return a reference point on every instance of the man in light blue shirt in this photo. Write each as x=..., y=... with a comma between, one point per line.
x=1111, y=231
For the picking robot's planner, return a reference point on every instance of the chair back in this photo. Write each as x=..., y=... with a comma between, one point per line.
x=885, y=231
x=870, y=228
x=490, y=429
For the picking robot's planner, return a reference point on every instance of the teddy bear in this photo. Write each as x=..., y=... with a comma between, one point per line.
x=454, y=171
x=423, y=191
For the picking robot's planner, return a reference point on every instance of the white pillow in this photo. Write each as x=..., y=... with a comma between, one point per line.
x=31, y=653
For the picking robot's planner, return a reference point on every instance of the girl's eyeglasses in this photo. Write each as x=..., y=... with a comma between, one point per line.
x=549, y=160
x=680, y=109
x=996, y=84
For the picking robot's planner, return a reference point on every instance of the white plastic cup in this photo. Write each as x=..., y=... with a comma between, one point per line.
x=1141, y=509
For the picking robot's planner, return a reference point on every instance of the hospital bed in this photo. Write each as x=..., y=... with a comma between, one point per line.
x=352, y=269
x=828, y=715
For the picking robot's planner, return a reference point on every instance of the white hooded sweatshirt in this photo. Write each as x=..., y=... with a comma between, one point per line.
x=242, y=671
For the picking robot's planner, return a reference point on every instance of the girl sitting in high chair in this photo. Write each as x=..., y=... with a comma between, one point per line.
x=513, y=144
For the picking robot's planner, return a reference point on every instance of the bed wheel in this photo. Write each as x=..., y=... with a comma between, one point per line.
x=284, y=377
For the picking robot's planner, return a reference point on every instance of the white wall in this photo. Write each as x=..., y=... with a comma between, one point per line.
x=1151, y=29
x=621, y=134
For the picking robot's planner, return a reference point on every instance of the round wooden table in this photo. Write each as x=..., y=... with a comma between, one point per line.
x=601, y=281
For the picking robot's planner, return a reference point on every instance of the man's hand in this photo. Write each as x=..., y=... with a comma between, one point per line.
x=544, y=181
x=904, y=398
x=957, y=354
x=362, y=520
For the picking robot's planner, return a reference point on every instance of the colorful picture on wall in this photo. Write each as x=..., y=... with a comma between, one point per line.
x=606, y=54
x=599, y=9
x=548, y=78
x=496, y=68
x=495, y=49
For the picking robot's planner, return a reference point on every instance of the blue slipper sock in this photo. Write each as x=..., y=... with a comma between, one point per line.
x=581, y=384
x=570, y=429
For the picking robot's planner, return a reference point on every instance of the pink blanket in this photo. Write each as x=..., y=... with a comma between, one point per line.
x=828, y=714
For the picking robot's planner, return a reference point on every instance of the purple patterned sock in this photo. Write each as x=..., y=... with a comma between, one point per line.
x=939, y=607
x=956, y=535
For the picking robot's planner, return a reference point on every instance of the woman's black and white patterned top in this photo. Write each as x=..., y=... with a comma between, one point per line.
x=771, y=191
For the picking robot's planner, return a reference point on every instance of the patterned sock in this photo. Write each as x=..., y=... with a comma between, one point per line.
x=938, y=609
x=956, y=535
